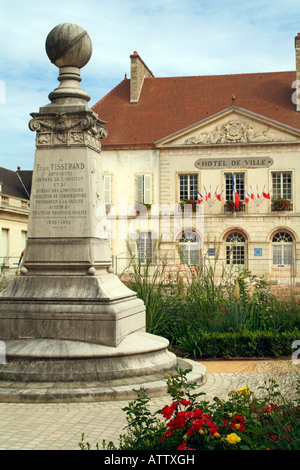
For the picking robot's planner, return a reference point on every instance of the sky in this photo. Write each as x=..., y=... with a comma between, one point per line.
x=173, y=37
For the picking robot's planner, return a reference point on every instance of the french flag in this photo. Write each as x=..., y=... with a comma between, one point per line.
x=207, y=195
x=236, y=197
x=217, y=194
x=247, y=197
x=200, y=198
x=266, y=195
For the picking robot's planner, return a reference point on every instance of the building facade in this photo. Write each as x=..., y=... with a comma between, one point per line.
x=208, y=166
x=14, y=210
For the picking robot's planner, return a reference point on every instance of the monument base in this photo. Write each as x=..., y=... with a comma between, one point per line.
x=97, y=309
x=46, y=370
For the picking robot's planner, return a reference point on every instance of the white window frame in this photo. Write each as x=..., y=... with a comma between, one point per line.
x=189, y=243
x=107, y=189
x=4, y=245
x=236, y=250
x=282, y=188
x=282, y=249
x=141, y=246
x=191, y=193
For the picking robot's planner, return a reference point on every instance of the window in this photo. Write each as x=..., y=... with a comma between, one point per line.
x=189, y=245
x=107, y=189
x=4, y=245
x=144, y=189
x=235, y=249
x=145, y=247
x=23, y=239
x=282, y=249
x=234, y=181
x=188, y=186
x=282, y=185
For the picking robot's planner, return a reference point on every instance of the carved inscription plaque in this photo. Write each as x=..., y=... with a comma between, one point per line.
x=59, y=199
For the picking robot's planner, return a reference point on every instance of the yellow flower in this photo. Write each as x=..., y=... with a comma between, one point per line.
x=237, y=425
x=233, y=438
x=273, y=379
x=201, y=431
x=244, y=390
x=217, y=434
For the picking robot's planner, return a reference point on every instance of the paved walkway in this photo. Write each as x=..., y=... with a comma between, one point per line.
x=58, y=426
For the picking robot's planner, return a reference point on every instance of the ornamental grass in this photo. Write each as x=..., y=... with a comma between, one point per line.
x=187, y=311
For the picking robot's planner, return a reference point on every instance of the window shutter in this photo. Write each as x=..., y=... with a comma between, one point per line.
x=147, y=189
x=140, y=189
x=107, y=189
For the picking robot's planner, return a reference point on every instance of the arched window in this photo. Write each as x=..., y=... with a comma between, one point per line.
x=235, y=248
x=282, y=249
x=190, y=245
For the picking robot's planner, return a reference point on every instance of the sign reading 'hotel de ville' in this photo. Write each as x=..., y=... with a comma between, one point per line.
x=233, y=163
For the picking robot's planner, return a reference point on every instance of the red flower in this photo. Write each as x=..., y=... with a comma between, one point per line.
x=185, y=402
x=239, y=419
x=213, y=428
x=177, y=423
x=267, y=408
x=184, y=447
x=167, y=434
x=275, y=437
x=273, y=406
x=167, y=410
x=188, y=415
x=197, y=413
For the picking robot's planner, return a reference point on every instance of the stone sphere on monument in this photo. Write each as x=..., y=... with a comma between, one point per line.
x=69, y=45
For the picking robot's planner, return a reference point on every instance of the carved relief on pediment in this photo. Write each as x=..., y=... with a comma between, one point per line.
x=235, y=132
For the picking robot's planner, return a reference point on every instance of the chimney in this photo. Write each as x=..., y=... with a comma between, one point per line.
x=297, y=47
x=138, y=72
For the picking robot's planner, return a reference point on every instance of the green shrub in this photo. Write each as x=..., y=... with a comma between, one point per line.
x=240, y=344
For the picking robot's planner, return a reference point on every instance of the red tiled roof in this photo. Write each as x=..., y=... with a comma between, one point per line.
x=168, y=105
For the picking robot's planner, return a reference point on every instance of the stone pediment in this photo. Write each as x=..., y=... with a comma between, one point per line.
x=233, y=126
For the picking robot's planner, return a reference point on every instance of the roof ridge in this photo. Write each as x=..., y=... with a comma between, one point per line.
x=109, y=93
x=7, y=169
x=221, y=75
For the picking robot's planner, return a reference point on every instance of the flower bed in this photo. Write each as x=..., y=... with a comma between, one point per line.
x=242, y=422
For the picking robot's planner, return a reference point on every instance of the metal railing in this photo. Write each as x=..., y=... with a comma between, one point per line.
x=288, y=275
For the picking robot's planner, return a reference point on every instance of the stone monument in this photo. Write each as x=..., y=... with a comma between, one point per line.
x=68, y=317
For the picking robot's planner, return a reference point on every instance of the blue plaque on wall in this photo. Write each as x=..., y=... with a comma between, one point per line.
x=257, y=251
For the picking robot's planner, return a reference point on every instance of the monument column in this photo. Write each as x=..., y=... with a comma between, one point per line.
x=67, y=289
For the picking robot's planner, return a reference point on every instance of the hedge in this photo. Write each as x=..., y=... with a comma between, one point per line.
x=241, y=344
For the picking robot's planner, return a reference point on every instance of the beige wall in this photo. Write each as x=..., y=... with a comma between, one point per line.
x=13, y=229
